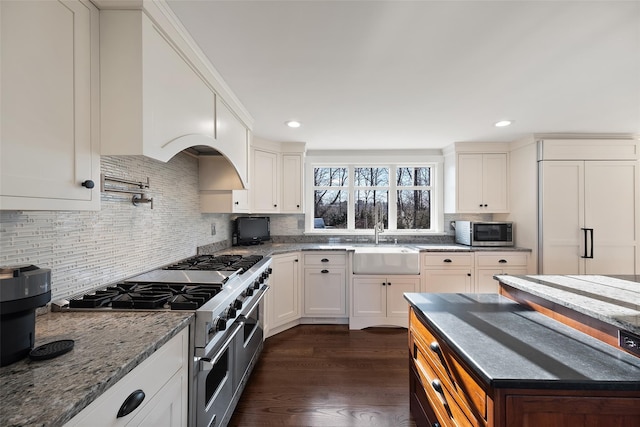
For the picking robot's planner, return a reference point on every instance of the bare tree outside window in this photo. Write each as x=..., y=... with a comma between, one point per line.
x=413, y=205
x=330, y=202
x=371, y=193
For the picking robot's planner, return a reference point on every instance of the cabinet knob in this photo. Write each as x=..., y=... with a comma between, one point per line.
x=296, y=260
x=388, y=283
x=236, y=203
x=469, y=274
x=503, y=261
x=324, y=271
x=131, y=403
x=275, y=206
x=384, y=284
x=447, y=260
x=297, y=206
x=88, y=184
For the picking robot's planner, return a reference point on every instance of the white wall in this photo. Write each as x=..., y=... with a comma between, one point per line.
x=85, y=250
x=524, y=197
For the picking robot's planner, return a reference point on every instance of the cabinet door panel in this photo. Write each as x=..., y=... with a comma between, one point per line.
x=369, y=297
x=494, y=182
x=611, y=209
x=324, y=292
x=396, y=287
x=284, y=299
x=562, y=204
x=469, y=182
x=46, y=129
x=291, y=183
x=265, y=181
x=451, y=281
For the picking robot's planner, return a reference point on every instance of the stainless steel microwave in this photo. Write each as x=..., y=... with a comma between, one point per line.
x=479, y=233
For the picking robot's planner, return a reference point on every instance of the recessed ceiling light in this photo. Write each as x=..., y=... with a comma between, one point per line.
x=293, y=124
x=503, y=123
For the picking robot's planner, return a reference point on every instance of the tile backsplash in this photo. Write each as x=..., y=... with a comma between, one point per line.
x=85, y=250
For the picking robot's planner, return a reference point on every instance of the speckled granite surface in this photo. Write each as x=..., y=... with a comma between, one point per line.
x=607, y=298
x=107, y=347
x=510, y=345
x=280, y=248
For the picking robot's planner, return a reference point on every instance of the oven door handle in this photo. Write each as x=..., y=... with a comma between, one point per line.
x=207, y=364
x=259, y=298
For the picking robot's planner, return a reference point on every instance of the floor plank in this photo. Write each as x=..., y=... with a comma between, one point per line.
x=329, y=376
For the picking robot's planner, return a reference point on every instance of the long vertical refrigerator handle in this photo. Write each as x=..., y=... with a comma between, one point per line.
x=588, y=232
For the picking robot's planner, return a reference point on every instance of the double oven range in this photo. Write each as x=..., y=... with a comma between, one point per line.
x=226, y=293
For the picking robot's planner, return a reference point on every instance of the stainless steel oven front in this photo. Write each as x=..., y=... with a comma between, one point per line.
x=222, y=374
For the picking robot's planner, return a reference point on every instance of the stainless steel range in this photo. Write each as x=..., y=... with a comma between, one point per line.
x=227, y=294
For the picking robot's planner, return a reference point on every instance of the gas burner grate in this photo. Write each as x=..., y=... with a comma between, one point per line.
x=217, y=263
x=148, y=296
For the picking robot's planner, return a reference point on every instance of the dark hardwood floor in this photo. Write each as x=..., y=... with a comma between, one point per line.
x=329, y=376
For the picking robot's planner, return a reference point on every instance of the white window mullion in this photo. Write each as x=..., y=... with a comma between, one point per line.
x=351, y=210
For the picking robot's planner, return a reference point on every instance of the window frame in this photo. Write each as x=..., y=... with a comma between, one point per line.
x=366, y=159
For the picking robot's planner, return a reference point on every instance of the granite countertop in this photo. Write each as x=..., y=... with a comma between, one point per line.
x=268, y=249
x=612, y=299
x=107, y=347
x=509, y=345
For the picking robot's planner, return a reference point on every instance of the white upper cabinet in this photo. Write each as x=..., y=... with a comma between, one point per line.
x=155, y=101
x=476, y=179
x=49, y=95
x=277, y=177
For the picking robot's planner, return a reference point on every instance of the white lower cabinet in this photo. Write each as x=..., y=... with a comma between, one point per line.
x=163, y=378
x=283, y=299
x=325, y=286
x=447, y=272
x=470, y=272
x=490, y=263
x=378, y=300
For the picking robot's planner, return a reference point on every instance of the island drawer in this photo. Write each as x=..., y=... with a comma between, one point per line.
x=454, y=377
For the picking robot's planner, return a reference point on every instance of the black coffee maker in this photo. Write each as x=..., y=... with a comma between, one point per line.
x=22, y=290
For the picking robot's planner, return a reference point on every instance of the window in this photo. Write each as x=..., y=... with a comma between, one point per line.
x=355, y=197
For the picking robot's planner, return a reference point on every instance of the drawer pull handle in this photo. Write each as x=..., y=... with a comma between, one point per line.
x=503, y=261
x=324, y=260
x=447, y=260
x=324, y=271
x=436, y=386
x=131, y=403
x=435, y=347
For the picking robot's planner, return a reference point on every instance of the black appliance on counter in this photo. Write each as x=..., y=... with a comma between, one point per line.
x=251, y=230
x=22, y=290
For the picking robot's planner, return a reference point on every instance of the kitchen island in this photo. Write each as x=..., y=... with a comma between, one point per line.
x=600, y=306
x=486, y=360
x=106, y=348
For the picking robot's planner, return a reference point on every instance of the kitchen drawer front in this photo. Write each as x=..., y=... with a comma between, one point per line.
x=150, y=376
x=454, y=376
x=445, y=403
x=324, y=259
x=445, y=260
x=502, y=260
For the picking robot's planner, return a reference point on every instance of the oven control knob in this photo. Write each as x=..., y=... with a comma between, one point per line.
x=237, y=304
x=265, y=275
x=221, y=324
x=256, y=284
x=269, y=270
x=231, y=313
x=260, y=279
x=249, y=291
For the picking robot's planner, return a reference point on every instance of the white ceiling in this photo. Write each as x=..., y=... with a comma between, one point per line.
x=424, y=74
